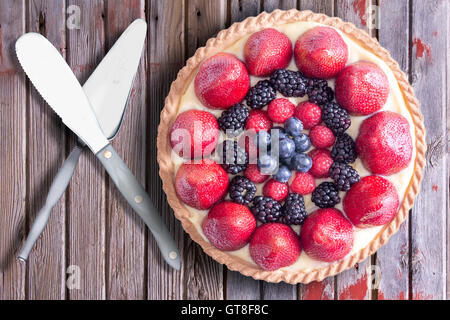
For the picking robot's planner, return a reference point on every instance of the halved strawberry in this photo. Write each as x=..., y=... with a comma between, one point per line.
x=266, y=51
x=201, y=184
x=222, y=81
x=274, y=245
x=229, y=226
x=362, y=88
x=320, y=53
x=384, y=143
x=326, y=235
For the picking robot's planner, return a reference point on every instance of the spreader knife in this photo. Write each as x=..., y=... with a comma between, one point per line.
x=108, y=89
x=57, y=84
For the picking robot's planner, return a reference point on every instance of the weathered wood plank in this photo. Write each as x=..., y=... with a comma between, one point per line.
x=125, y=232
x=323, y=290
x=354, y=283
x=270, y=5
x=87, y=210
x=204, y=20
x=428, y=218
x=46, y=150
x=13, y=145
x=392, y=259
x=448, y=159
x=238, y=286
x=166, y=51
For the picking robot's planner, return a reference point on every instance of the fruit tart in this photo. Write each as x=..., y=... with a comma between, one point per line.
x=291, y=146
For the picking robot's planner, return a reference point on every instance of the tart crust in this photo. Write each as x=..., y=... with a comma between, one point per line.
x=224, y=39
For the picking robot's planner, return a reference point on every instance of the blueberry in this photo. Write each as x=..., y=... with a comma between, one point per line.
x=302, y=143
x=283, y=174
x=286, y=148
x=293, y=126
x=267, y=164
x=262, y=140
x=301, y=162
x=281, y=132
x=286, y=161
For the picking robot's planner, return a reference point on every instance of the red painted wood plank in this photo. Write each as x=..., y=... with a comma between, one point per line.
x=86, y=197
x=46, y=149
x=125, y=232
x=393, y=258
x=13, y=145
x=428, y=218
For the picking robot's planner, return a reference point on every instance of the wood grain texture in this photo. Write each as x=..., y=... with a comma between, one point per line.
x=392, y=259
x=125, y=231
x=354, y=283
x=46, y=150
x=270, y=5
x=87, y=192
x=428, y=219
x=165, y=52
x=318, y=6
x=13, y=105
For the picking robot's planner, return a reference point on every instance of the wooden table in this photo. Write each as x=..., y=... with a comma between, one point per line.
x=94, y=236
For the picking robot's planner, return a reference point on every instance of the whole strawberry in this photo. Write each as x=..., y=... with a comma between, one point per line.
x=384, y=143
x=258, y=120
x=326, y=235
x=222, y=81
x=201, y=184
x=229, y=226
x=322, y=162
x=194, y=134
x=303, y=183
x=274, y=245
x=253, y=174
x=321, y=137
x=309, y=113
x=266, y=51
x=276, y=190
x=281, y=109
x=320, y=53
x=362, y=88
x=371, y=202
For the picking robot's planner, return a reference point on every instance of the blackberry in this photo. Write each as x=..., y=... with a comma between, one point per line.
x=293, y=210
x=234, y=119
x=326, y=195
x=335, y=117
x=289, y=83
x=266, y=209
x=235, y=159
x=242, y=190
x=260, y=95
x=343, y=175
x=319, y=92
x=344, y=149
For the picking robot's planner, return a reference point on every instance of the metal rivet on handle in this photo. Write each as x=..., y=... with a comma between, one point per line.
x=107, y=154
x=173, y=255
x=138, y=199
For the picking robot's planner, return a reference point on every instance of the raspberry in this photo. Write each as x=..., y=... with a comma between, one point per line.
x=335, y=117
x=321, y=137
x=303, y=183
x=235, y=159
x=319, y=92
x=253, y=174
x=242, y=190
x=343, y=175
x=281, y=109
x=309, y=113
x=258, y=120
x=326, y=195
x=233, y=119
x=289, y=83
x=260, y=95
x=266, y=209
x=275, y=190
x=322, y=162
x=344, y=150
x=293, y=210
